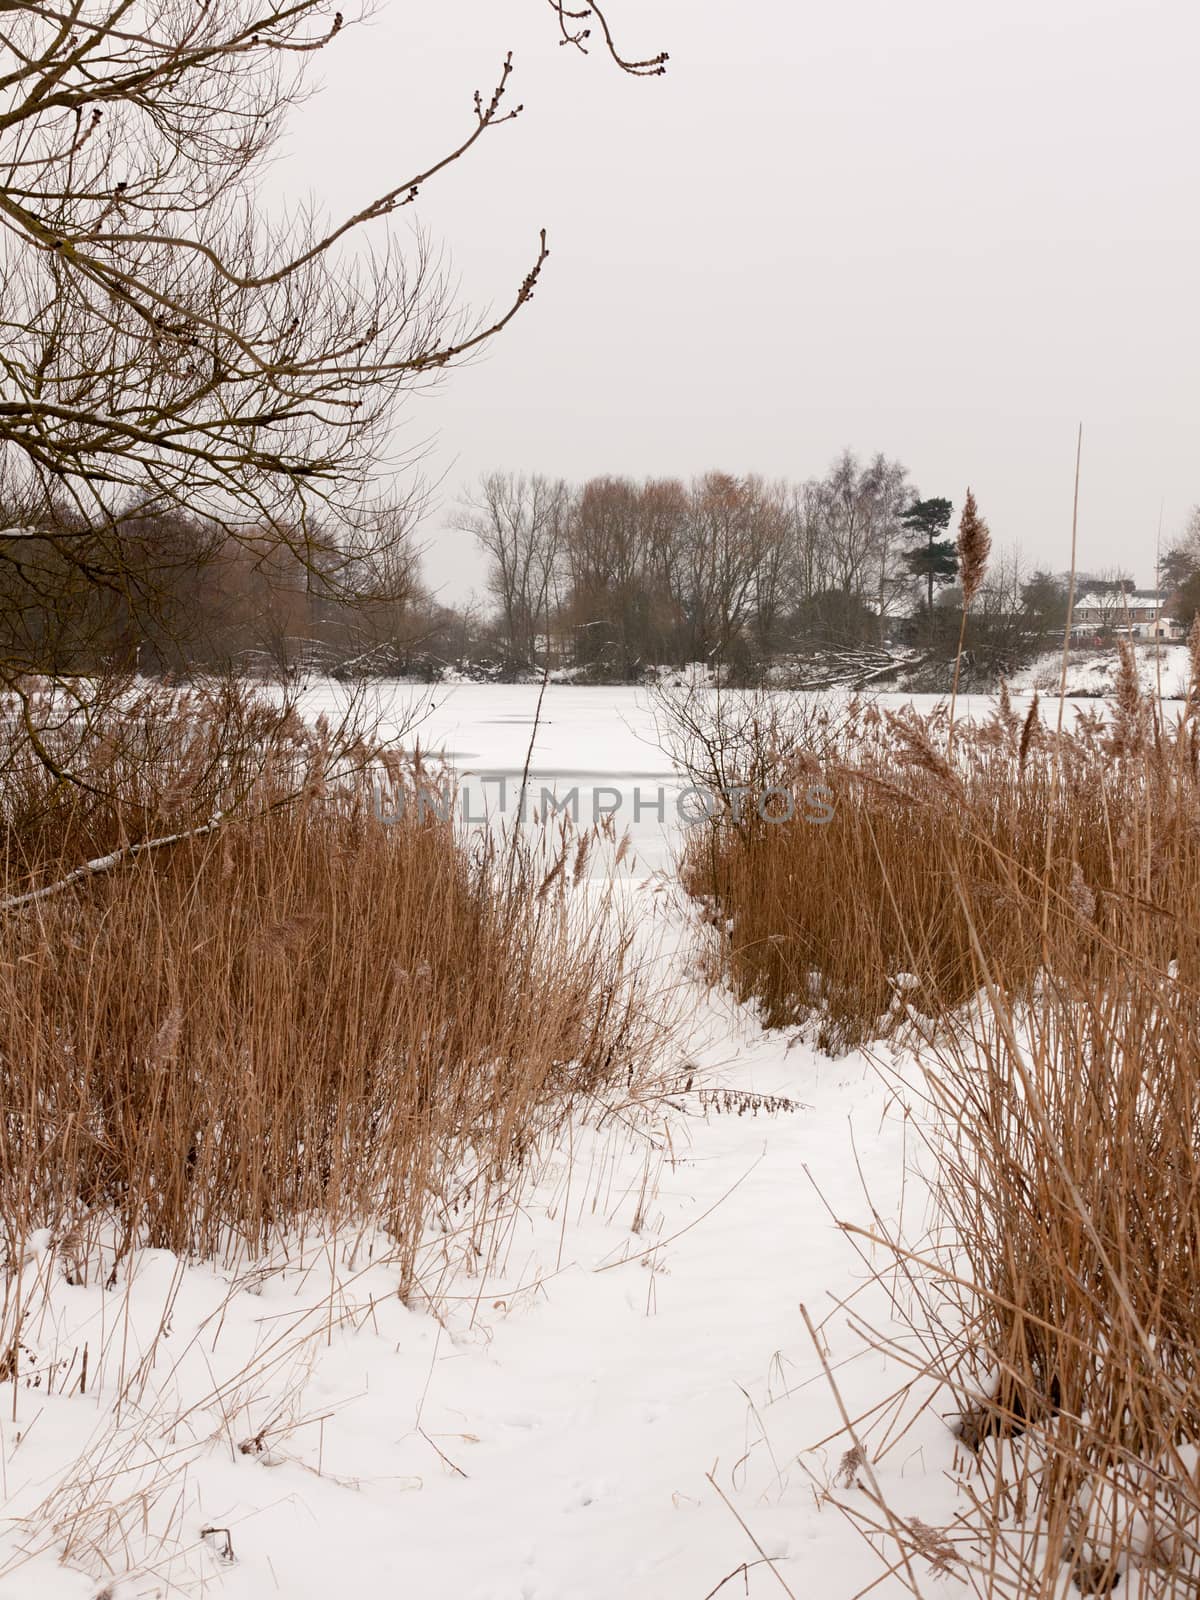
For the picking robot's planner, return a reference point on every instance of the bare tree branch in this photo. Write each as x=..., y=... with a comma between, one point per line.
x=166, y=344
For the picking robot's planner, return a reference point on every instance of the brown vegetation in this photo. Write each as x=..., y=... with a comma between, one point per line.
x=1020, y=911
x=299, y=1013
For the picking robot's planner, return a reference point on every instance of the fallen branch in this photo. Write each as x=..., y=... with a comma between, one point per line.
x=102, y=864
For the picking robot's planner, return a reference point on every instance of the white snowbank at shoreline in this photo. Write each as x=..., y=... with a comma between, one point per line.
x=1163, y=670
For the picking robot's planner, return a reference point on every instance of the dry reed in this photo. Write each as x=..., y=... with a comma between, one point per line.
x=300, y=1012
x=1023, y=910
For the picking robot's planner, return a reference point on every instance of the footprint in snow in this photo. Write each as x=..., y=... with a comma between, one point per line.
x=582, y=1495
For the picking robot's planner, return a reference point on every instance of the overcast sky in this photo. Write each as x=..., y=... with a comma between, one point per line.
x=945, y=230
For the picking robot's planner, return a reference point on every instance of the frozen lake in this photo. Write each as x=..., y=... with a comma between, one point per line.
x=595, y=751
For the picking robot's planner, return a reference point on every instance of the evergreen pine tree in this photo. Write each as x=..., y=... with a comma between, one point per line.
x=934, y=559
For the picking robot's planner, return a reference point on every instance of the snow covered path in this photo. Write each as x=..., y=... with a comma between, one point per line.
x=547, y=1435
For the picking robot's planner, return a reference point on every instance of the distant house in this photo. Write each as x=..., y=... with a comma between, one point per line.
x=1165, y=628
x=1136, y=613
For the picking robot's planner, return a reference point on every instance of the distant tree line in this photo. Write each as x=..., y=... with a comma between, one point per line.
x=186, y=597
x=616, y=576
x=607, y=579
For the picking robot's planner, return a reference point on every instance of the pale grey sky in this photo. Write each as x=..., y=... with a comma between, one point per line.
x=942, y=229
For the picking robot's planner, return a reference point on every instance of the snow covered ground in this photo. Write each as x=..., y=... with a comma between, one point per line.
x=1164, y=670
x=592, y=1418
x=626, y=1402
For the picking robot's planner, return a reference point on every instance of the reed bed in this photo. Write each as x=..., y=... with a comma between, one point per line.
x=1020, y=905
x=261, y=1006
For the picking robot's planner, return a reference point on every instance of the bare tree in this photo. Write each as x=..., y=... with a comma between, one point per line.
x=664, y=513
x=849, y=535
x=999, y=624
x=812, y=553
x=164, y=343
x=520, y=524
x=849, y=524
x=889, y=491
x=775, y=564
x=720, y=560
x=607, y=560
